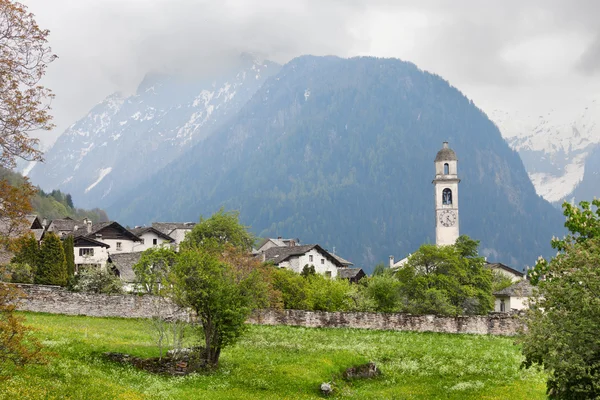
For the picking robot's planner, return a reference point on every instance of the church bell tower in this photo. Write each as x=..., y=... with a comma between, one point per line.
x=446, y=196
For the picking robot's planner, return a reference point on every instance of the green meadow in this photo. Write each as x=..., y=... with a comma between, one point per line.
x=275, y=363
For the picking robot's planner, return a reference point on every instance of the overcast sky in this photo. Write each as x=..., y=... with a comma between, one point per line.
x=520, y=56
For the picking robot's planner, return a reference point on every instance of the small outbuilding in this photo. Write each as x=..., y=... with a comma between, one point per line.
x=352, y=274
x=514, y=297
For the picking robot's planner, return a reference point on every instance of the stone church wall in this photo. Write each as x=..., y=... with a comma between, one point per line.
x=56, y=300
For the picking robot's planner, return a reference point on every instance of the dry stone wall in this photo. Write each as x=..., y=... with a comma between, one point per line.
x=57, y=300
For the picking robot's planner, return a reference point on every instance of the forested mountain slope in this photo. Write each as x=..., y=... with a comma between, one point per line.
x=340, y=152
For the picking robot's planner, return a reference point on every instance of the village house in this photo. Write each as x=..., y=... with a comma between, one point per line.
x=89, y=252
x=30, y=224
x=122, y=266
x=150, y=237
x=268, y=243
x=296, y=258
x=506, y=271
x=64, y=226
x=175, y=230
x=513, y=298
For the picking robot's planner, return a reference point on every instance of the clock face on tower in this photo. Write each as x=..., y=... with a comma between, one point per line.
x=447, y=217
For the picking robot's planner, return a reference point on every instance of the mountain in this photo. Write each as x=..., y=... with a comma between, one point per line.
x=560, y=153
x=340, y=152
x=124, y=140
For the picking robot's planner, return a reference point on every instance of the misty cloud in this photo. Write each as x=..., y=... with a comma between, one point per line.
x=493, y=51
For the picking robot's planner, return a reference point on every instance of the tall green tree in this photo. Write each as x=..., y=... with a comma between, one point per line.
x=450, y=280
x=223, y=227
x=69, y=248
x=27, y=251
x=221, y=294
x=564, y=315
x=52, y=269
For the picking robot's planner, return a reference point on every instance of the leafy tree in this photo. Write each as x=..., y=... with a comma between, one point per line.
x=293, y=288
x=17, y=346
x=27, y=251
x=24, y=55
x=52, y=269
x=20, y=273
x=325, y=294
x=562, y=324
x=220, y=229
x=384, y=290
x=153, y=269
x=379, y=269
x=97, y=280
x=564, y=315
x=583, y=223
x=69, y=248
x=500, y=281
x=24, y=103
x=448, y=280
x=222, y=296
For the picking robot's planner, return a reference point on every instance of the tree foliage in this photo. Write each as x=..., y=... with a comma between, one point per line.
x=220, y=229
x=52, y=267
x=450, y=280
x=24, y=103
x=69, y=248
x=17, y=346
x=222, y=296
x=153, y=269
x=97, y=280
x=564, y=315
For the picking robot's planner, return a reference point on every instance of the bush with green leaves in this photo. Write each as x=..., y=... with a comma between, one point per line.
x=97, y=280
x=564, y=315
x=19, y=273
x=384, y=290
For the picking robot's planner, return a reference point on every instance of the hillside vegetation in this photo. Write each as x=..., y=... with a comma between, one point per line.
x=55, y=204
x=275, y=363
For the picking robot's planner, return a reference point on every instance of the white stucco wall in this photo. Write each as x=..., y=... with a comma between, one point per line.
x=511, y=303
x=100, y=256
x=127, y=246
x=148, y=238
x=508, y=274
x=320, y=268
x=446, y=235
x=179, y=234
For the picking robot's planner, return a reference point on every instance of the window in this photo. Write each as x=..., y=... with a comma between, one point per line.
x=328, y=274
x=322, y=261
x=446, y=169
x=154, y=242
x=119, y=246
x=502, y=306
x=310, y=258
x=447, y=197
x=143, y=241
x=86, y=252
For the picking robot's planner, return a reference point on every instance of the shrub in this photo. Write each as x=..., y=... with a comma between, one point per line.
x=384, y=290
x=20, y=273
x=97, y=280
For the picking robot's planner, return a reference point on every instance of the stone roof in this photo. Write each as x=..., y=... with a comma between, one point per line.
x=168, y=227
x=38, y=233
x=124, y=262
x=520, y=289
x=140, y=231
x=446, y=154
x=342, y=261
x=349, y=273
x=506, y=268
x=280, y=254
x=65, y=224
x=97, y=227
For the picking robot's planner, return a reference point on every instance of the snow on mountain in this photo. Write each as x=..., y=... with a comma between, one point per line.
x=555, y=148
x=124, y=140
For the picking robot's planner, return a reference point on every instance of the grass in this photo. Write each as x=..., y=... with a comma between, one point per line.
x=275, y=363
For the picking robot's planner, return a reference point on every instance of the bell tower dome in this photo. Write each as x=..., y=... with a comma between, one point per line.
x=446, y=196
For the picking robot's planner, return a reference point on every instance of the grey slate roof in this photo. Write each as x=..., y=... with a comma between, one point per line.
x=506, y=268
x=142, y=230
x=520, y=289
x=98, y=227
x=280, y=254
x=124, y=262
x=348, y=273
x=65, y=224
x=168, y=227
x=342, y=261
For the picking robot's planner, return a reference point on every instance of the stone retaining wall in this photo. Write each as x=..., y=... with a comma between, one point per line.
x=494, y=324
x=57, y=300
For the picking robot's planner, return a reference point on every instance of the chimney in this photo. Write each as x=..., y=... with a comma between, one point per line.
x=279, y=237
x=445, y=145
x=391, y=261
x=44, y=223
x=264, y=257
x=88, y=224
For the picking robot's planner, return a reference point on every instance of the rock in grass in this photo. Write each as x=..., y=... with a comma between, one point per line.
x=326, y=388
x=368, y=370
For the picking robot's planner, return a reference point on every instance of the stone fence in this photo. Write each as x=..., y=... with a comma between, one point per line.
x=57, y=300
